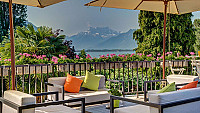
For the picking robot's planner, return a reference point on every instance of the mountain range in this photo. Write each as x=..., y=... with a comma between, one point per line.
x=103, y=38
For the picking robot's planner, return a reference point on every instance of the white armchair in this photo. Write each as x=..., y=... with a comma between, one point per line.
x=19, y=102
x=183, y=101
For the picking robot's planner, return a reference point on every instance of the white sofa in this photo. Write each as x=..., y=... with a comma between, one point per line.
x=57, y=83
x=13, y=100
x=180, y=81
x=174, y=98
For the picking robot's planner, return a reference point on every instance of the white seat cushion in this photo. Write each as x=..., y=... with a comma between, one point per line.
x=181, y=79
x=177, y=96
x=90, y=96
x=152, y=92
x=133, y=109
x=18, y=98
x=56, y=109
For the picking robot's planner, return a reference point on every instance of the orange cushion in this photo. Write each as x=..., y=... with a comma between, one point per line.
x=72, y=84
x=190, y=85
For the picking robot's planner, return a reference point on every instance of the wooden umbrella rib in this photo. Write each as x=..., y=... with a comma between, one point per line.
x=88, y=4
x=176, y=7
x=41, y=6
x=138, y=5
x=103, y=4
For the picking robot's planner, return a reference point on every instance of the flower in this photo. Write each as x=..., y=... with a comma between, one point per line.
x=77, y=57
x=6, y=60
x=178, y=54
x=9, y=60
x=60, y=55
x=44, y=56
x=170, y=52
x=192, y=53
x=140, y=54
x=132, y=55
x=88, y=56
x=108, y=55
x=150, y=55
x=158, y=54
x=112, y=55
x=34, y=55
x=102, y=56
x=27, y=55
x=20, y=54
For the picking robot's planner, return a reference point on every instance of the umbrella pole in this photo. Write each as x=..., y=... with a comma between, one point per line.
x=12, y=45
x=164, y=35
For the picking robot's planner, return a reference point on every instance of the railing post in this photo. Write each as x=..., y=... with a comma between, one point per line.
x=111, y=104
x=83, y=105
x=137, y=80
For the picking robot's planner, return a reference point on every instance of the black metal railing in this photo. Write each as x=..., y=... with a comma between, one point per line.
x=31, y=78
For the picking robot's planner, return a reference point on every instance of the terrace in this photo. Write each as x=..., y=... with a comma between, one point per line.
x=31, y=78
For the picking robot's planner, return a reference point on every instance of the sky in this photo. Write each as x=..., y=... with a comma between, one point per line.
x=73, y=17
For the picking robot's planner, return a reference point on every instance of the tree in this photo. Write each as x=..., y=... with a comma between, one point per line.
x=150, y=35
x=42, y=41
x=197, y=33
x=83, y=54
x=19, y=17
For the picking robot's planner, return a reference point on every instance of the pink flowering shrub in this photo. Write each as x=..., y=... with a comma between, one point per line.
x=25, y=58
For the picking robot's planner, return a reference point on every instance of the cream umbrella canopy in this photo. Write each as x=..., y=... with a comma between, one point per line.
x=35, y=3
x=176, y=7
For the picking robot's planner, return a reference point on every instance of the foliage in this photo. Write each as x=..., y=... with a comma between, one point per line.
x=19, y=17
x=83, y=54
x=197, y=33
x=25, y=58
x=114, y=92
x=38, y=42
x=150, y=35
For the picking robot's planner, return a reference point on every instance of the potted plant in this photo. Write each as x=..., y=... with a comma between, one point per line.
x=115, y=92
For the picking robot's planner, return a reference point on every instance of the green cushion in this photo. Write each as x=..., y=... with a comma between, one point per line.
x=168, y=88
x=91, y=81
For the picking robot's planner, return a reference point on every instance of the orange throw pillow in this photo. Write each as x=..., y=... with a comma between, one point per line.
x=72, y=84
x=190, y=85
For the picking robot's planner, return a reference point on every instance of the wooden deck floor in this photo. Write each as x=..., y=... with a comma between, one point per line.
x=101, y=108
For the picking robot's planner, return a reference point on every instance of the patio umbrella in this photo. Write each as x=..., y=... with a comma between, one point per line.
x=176, y=7
x=35, y=3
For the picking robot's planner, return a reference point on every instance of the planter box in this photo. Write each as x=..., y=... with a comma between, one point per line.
x=107, y=65
x=113, y=65
x=142, y=64
x=33, y=70
x=5, y=72
x=67, y=68
x=176, y=64
x=180, y=64
x=99, y=66
x=166, y=64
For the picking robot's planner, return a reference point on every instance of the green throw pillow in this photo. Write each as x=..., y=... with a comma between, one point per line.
x=91, y=81
x=168, y=88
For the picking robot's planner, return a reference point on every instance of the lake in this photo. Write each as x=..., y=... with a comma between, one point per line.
x=97, y=54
